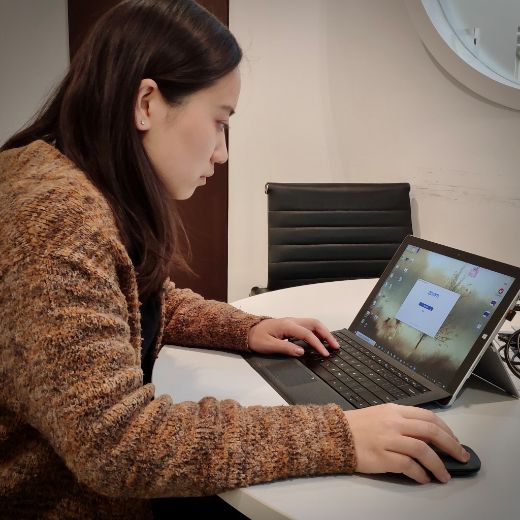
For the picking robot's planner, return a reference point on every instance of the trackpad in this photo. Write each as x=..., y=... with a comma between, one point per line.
x=290, y=373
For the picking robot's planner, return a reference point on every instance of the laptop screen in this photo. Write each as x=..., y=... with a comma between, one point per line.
x=429, y=309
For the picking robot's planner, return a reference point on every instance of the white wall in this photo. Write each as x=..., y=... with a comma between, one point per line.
x=34, y=54
x=333, y=90
x=344, y=91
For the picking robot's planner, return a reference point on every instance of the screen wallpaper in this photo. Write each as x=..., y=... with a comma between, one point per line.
x=430, y=310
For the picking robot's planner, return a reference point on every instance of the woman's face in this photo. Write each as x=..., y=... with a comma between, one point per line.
x=183, y=142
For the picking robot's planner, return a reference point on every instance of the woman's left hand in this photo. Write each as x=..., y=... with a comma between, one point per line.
x=270, y=335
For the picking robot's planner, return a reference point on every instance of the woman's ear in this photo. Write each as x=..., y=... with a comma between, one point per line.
x=147, y=93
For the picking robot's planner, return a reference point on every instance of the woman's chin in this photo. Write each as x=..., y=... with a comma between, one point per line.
x=184, y=195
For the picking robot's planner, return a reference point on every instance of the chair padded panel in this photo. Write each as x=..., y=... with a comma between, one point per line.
x=337, y=196
x=318, y=252
x=324, y=232
x=337, y=235
x=316, y=218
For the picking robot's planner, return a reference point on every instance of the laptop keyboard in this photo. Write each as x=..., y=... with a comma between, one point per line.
x=360, y=376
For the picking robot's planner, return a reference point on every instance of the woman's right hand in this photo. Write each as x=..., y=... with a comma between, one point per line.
x=394, y=438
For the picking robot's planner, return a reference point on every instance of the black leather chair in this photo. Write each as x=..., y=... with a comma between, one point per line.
x=326, y=232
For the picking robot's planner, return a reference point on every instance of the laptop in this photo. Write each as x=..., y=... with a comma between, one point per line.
x=427, y=325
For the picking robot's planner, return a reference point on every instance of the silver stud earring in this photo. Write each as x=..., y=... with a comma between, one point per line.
x=142, y=122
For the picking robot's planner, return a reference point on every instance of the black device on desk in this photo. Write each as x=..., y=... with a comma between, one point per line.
x=460, y=469
x=419, y=335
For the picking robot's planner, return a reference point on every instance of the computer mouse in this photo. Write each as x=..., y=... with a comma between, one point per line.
x=456, y=468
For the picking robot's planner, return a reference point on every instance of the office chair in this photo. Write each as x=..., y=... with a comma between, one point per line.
x=326, y=232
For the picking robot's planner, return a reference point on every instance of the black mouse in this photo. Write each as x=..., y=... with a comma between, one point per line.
x=456, y=468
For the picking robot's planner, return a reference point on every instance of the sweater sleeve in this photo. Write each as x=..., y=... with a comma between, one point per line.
x=70, y=356
x=190, y=320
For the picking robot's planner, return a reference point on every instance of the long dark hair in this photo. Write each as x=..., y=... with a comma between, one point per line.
x=90, y=117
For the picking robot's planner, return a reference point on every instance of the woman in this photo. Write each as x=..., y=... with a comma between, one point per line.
x=89, y=236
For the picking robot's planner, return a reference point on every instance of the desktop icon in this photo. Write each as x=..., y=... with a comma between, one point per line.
x=474, y=272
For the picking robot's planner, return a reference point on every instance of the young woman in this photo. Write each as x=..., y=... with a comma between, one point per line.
x=88, y=238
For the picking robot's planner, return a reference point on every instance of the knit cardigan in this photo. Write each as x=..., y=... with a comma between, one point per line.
x=80, y=435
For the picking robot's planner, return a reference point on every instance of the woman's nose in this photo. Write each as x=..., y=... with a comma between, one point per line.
x=220, y=155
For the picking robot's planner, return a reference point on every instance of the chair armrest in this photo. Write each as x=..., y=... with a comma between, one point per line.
x=258, y=290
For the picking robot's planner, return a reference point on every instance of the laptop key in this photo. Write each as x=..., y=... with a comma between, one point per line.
x=411, y=390
x=347, y=380
x=356, y=387
x=323, y=374
x=350, y=396
x=371, y=386
x=340, y=363
x=393, y=390
x=370, y=398
x=384, y=396
x=418, y=387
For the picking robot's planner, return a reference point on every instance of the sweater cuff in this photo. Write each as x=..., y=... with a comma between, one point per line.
x=247, y=348
x=338, y=454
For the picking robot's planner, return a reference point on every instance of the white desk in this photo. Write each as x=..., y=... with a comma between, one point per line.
x=487, y=421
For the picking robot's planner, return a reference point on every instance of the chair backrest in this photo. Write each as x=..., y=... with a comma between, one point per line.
x=339, y=231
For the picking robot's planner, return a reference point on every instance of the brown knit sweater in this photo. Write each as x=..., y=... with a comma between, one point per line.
x=80, y=435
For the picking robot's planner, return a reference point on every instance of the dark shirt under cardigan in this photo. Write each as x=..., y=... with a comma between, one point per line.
x=150, y=321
